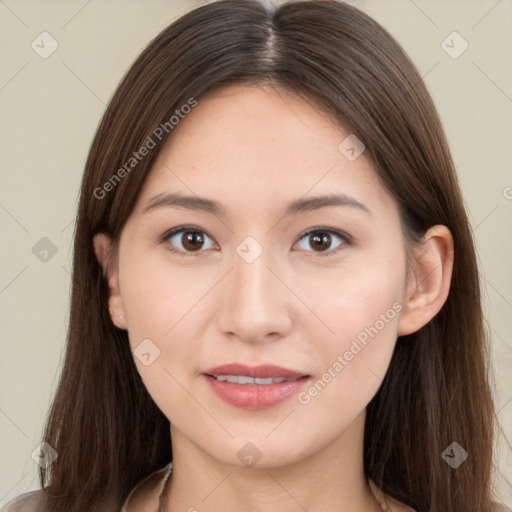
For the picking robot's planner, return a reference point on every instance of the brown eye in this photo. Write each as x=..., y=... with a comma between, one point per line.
x=189, y=241
x=192, y=240
x=321, y=240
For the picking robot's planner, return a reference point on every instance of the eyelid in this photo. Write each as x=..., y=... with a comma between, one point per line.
x=347, y=239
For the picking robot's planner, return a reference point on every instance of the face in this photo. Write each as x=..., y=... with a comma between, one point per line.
x=267, y=278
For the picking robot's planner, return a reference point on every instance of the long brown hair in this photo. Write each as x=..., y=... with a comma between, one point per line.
x=103, y=424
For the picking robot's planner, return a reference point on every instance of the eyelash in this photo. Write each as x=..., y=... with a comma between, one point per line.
x=346, y=239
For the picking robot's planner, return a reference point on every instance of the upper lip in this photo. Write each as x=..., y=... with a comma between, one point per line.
x=262, y=371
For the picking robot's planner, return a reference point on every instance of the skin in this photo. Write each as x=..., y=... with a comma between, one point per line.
x=254, y=150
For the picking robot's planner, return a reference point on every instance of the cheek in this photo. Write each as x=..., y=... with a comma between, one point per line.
x=155, y=295
x=361, y=310
x=159, y=306
x=359, y=295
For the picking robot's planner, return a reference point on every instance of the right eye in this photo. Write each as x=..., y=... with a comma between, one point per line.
x=186, y=240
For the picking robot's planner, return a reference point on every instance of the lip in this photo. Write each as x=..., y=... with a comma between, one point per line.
x=262, y=371
x=255, y=396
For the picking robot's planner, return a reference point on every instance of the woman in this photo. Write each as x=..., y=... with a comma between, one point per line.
x=275, y=293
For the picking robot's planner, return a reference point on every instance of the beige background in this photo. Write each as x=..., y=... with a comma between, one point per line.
x=50, y=109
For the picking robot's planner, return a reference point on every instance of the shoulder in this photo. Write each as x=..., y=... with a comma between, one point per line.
x=32, y=501
x=146, y=494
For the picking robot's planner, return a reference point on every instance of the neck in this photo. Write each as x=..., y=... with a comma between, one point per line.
x=329, y=480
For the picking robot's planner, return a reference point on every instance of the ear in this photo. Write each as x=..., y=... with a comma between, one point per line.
x=104, y=253
x=428, y=284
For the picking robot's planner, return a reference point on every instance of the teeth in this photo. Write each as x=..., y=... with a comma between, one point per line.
x=242, y=379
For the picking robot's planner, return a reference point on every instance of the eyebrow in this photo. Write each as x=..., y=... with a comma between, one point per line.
x=296, y=207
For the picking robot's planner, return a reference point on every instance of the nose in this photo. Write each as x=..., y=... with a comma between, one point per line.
x=256, y=305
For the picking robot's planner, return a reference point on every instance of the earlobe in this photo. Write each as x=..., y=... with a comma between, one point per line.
x=429, y=283
x=104, y=254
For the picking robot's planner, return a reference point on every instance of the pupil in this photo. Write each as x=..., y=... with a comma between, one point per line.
x=193, y=237
x=319, y=239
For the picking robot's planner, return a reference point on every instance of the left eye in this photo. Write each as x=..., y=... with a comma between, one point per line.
x=319, y=238
x=191, y=240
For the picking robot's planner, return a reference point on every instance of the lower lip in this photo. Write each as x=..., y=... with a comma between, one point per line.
x=255, y=397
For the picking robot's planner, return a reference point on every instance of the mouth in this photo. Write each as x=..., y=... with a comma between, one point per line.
x=263, y=371
x=244, y=379
x=256, y=387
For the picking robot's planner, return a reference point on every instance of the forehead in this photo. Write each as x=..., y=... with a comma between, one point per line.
x=251, y=144
x=268, y=121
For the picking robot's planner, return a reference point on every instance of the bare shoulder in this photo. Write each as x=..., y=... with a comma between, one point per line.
x=31, y=501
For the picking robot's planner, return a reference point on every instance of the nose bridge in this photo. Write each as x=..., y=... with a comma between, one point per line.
x=251, y=277
x=254, y=303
